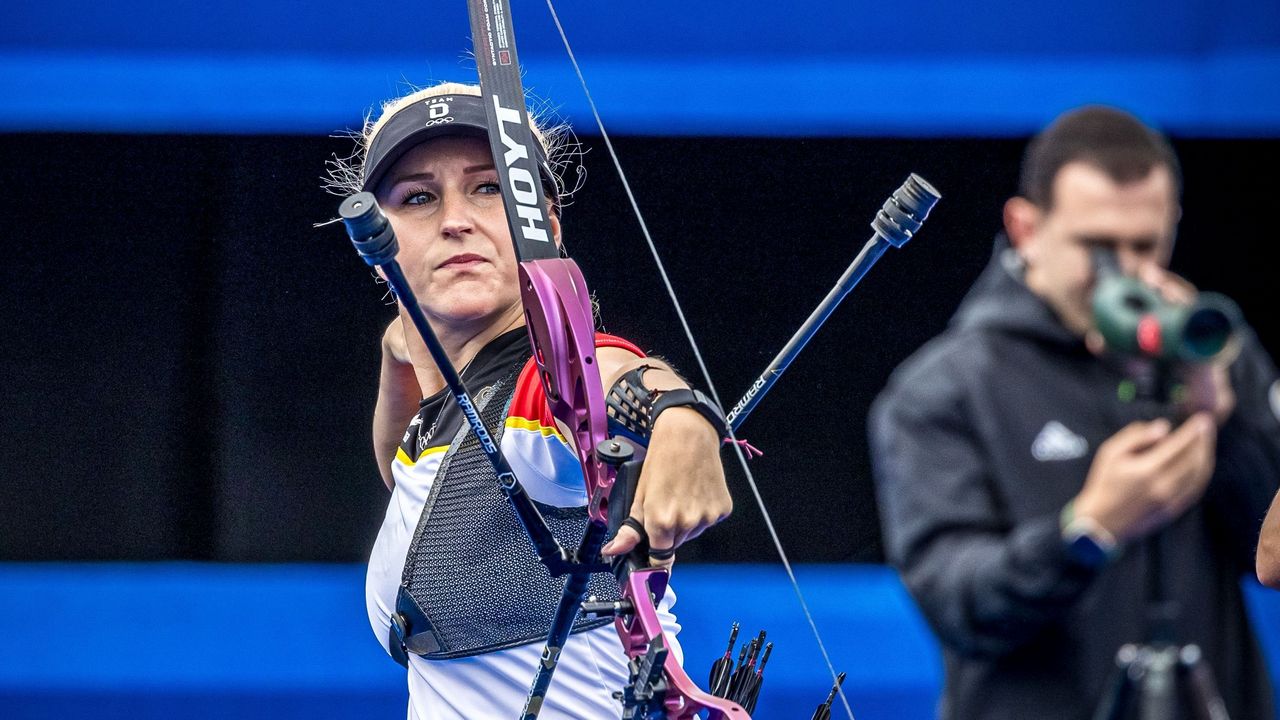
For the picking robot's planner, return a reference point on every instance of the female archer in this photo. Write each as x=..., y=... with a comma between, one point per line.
x=450, y=551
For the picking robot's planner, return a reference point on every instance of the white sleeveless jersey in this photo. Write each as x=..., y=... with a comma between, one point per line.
x=494, y=685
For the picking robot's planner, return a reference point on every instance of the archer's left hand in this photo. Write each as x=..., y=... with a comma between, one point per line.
x=681, y=491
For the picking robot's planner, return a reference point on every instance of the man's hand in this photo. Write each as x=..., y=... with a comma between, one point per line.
x=682, y=490
x=1147, y=474
x=1209, y=390
x=1208, y=384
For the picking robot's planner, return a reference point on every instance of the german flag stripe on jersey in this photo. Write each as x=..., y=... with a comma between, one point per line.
x=529, y=404
x=536, y=449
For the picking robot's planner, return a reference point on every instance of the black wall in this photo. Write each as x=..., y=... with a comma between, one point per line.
x=188, y=366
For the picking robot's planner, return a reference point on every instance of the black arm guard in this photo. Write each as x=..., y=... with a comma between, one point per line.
x=633, y=408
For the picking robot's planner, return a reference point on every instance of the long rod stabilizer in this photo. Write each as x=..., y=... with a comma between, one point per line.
x=898, y=220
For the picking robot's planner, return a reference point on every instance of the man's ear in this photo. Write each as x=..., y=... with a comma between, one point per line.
x=1021, y=223
x=1168, y=253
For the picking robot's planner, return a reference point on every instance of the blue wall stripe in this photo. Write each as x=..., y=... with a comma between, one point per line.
x=997, y=68
x=285, y=641
x=1227, y=95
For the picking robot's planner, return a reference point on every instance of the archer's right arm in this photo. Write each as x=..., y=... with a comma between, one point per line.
x=398, y=398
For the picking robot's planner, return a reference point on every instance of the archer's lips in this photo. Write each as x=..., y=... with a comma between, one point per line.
x=463, y=261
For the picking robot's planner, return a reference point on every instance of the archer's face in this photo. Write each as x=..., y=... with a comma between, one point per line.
x=1136, y=220
x=445, y=205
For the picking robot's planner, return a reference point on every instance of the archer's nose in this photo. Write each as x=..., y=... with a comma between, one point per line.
x=455, y=215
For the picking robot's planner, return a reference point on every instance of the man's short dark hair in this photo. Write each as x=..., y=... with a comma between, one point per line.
x=1109, y=139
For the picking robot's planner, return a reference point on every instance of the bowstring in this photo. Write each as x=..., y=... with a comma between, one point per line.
x=697, y=353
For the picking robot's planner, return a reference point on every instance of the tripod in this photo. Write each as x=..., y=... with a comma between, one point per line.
x=1148, y=675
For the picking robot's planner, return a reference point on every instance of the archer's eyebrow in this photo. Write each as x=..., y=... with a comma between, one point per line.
x=469, y=170
x=397, y=179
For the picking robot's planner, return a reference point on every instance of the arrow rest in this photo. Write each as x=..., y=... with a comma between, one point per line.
x=645, y=695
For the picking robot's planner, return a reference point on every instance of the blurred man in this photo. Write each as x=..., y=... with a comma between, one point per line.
x=1017, y=485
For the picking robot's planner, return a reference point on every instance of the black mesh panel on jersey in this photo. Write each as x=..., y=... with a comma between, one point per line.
x=471, y=571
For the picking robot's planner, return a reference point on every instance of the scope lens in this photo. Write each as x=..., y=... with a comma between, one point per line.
x=1206, y=332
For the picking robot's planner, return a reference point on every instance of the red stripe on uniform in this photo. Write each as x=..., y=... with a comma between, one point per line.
x=530, y=402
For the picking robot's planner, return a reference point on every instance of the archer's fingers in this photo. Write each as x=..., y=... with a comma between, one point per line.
x=663, y=541
x=662, y=558
x=622, y=543
x=694, y=532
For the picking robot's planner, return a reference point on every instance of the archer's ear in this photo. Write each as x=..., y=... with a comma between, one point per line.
x=1021, y=223
x=555, y=227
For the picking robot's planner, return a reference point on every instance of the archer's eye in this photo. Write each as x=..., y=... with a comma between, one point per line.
x=417, y=197
x=489, y=187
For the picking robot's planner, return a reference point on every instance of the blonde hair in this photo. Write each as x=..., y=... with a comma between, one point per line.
x=345, y=175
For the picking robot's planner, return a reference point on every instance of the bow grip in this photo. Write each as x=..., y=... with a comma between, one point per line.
x=618, y=453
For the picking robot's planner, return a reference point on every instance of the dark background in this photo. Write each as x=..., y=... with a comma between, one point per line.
x=189, y=366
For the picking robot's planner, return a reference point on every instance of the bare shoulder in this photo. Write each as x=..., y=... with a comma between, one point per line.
x=614, y=361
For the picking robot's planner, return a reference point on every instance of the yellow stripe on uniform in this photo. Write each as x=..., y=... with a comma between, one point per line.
x=520, y=423
x=404, y=458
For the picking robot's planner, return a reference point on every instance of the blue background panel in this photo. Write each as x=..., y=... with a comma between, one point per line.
x=1000, y=67
x=291, y=641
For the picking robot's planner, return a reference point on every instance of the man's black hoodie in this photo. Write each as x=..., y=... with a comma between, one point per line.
x=980, y=440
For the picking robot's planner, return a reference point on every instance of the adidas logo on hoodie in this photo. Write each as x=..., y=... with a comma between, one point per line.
x=1056, y=442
